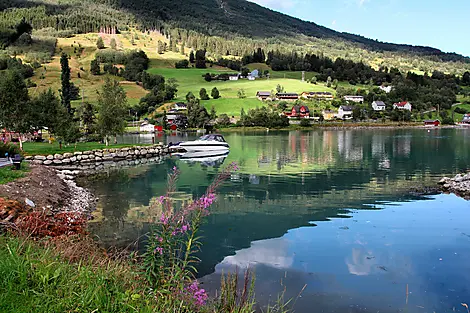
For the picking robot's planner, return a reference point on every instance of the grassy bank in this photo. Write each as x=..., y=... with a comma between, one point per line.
x=327, y=125
x=35, y=278
x=7, y=174
x=43, y=148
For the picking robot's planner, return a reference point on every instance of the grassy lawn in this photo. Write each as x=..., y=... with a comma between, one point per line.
x=229, y=103
x=43, y=148
x=232, y=107
x=7, y=174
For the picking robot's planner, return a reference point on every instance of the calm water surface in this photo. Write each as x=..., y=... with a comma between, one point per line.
x=329, y=210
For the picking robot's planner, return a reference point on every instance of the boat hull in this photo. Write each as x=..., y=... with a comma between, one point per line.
x=196, y=147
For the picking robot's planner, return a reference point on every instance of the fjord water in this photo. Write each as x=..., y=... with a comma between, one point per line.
x=331, y=213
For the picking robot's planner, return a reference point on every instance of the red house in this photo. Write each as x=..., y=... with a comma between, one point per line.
x=301, y=111
x=432, y=123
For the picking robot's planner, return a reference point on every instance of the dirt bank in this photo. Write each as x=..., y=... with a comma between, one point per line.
x=49, y=190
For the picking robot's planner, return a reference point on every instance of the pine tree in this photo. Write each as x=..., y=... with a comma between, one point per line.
x=95, y=67
x=100, y=43
x=215, y=93
x=191, y=57
x=66, y=90
x=203, y=94
x=213, y=113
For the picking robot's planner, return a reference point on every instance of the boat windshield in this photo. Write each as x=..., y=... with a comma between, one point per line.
x=212, y=137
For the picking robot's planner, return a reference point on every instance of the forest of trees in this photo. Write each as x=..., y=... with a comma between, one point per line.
x=203, y=25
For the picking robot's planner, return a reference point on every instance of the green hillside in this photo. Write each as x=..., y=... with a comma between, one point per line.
x=221, y=26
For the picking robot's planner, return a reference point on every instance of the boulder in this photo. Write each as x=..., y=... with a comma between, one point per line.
x=136, y=152
x=78, y=153
x=58, y=156
x=28, y=158
x=50, y=157
x=98, y=159
x=47, y=162
x=68, y=155
x=66, y=161
x=98, y=154
x=57, y=162
x=40, y=158
x=73, y=159
x=444, y=181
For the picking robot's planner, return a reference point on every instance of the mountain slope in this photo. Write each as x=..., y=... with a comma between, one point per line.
x=225, y=18
x=221, y=17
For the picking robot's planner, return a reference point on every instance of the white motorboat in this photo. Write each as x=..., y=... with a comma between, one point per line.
x=205, y=143
x=209, y=158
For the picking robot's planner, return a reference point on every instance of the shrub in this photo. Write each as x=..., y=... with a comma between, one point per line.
x=9, y=148
x=448, y=121
x=460, y=110
x=182, y=64
x=305, y=122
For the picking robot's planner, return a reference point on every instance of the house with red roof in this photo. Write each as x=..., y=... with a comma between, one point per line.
x=404, y=105
x=299, y=111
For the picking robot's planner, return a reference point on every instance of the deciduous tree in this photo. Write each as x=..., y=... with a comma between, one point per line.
x=112, y=109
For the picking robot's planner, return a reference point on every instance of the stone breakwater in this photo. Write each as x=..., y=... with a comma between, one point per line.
x=460, y=185
x=100, y=156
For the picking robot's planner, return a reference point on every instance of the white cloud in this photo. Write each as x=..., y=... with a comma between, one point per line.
x=333, y=23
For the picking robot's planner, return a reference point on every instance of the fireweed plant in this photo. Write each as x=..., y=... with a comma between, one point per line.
x=170, y=260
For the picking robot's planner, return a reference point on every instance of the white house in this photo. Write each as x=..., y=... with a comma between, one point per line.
x=378, y=106
x=233, y=77
x=345, y=112
x=147, y=128
x=251, y=78
x=180, y=107
x=405, y=105
x=386, y=89
x=356, y=99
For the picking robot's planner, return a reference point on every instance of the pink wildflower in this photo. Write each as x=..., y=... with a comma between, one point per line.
x=164, y=219
x=159, y=250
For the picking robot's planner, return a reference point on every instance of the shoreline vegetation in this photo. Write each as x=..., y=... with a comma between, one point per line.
x=58, y=267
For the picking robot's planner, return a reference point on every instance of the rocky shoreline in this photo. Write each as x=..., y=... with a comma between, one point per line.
x=100, y=156
x=459, y=185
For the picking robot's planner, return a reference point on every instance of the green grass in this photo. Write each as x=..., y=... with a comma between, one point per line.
x=457, y=117
x=7, y=174
x=44, y=148
x=35, y=279
x=232, y=107
x=229, y=103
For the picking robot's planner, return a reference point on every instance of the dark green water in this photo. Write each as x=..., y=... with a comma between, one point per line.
x=332, y=210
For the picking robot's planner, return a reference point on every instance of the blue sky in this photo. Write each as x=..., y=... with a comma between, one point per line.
x=436, y=23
